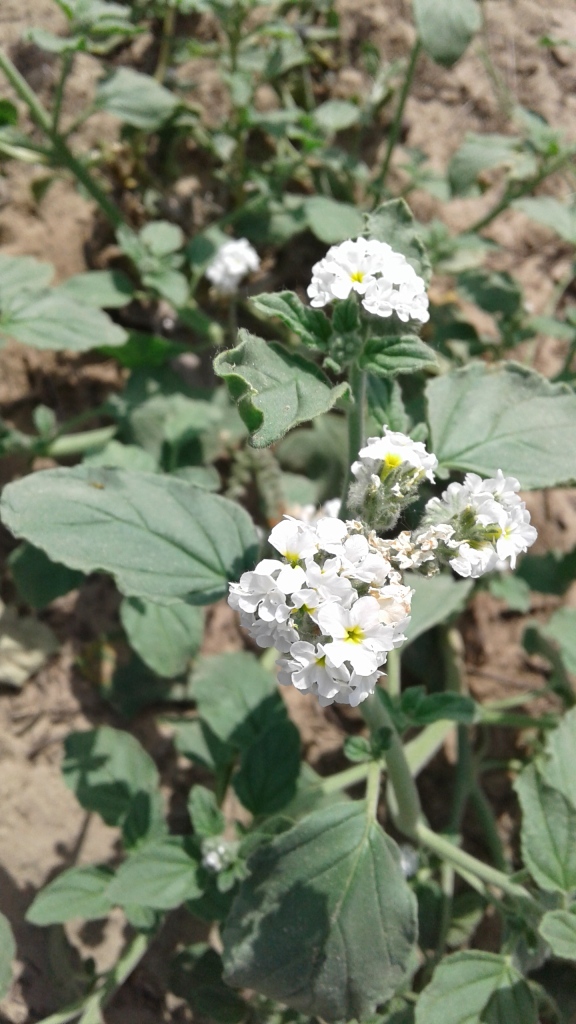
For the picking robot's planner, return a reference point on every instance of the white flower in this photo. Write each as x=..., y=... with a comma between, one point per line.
x=386, y=281
x=381, y=455
x=490, y=523
x=332, y=603
x=358, y=635
x=231, y=263
x=218, y=853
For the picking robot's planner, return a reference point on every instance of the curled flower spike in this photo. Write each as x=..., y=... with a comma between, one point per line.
x=231, y=263
x=383, y=278
x=388, y=473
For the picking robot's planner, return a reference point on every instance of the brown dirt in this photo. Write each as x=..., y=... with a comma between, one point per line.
x=42, y=829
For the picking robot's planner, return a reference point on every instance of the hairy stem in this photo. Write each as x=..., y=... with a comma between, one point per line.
x=509, y=196
x=380, y=181
x=407, y=811
x=168, y=26
x=355, y=429
x=62, y=155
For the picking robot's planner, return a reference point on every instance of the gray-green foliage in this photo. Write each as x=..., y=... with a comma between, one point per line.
x=507, y=417
x=476, y=988
x=325, y=921
x=165, y=636
x=7, y=954
x=446, y=27
x=161, y=538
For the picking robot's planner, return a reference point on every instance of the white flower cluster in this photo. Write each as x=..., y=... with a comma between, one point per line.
x=218, y=853
x=382, y=455
x=383, y=278
x=231, y=263
x=332, y=603
x=489, y=521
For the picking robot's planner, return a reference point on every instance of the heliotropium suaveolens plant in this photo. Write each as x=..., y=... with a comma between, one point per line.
x=311, y=894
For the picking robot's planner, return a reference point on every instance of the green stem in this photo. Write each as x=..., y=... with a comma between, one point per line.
x=488, y=825
x=355, y=429
x=420, y=751
x=90, y=1008
x=510, y=196
x=405, y=810
x=348, y=777
x=446, y=850
x=165, y=44
x=394, y=133
x=67, y=62
x=516, y=721
x=394, y=673
x=61, y=153
x=373, y=788
x=77, y=444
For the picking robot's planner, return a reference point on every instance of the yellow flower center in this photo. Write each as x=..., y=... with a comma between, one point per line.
x=357, y=275
x=292, y=558
x=354, y=635
x=321, y=661
x=390, y=461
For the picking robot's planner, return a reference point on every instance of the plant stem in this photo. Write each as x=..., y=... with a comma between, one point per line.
x=373, y=788
x=78, y=444
x=489, y=827
x=393, y=135
x=355, y=429
x=67, y=62
x=348, y=777
x=165, y=44
x=509, y=197
x=62, y=155
x=446, y=850
x=420, y=751
x=406, y=812
x=90, y=1007
x=393, y=674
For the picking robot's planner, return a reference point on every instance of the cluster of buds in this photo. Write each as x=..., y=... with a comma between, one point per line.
x=335, y=602
x=232, y=262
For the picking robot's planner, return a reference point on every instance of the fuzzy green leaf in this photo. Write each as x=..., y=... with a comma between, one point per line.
x=388, y=356
x=446, y=27
x=558, y=928
x=135, y=98
x=161, y=874
x=507, y=417
x=393, y=222
x=476, y=154
x=548, y=832
x=237, y=698
x=103, y=289
x=311, y=325
x=165, y=636
x=476, y=987
x=435, y=599
x=52, y=320
x=7, y=954
x=333, y=222
x=160, y=538
x=325, y=922
x=269, y=770
x=275, y=389
x=78, y=892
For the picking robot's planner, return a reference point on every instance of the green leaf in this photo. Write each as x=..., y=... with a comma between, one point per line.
x=325, y=922
x=558, y=928
x=197, y=977
x=145, y=350
x=136, y=99
x=160, y=538
x=275, y=389
x=557, y=766
x=476, y=154
x=493, y=291
x=237, y=698
x=331, y=221
x=389, y=356
x=103, y=289
x=38, y=579
x=269, y=769
x=109, y=772
x=22, y=274
x=311, y=325
x=195, y=740
x=207, y=818
x=446, y=27
x=436, y=599
x=161, y=237
x=512, y=589
x=7, y=955
x=386, y=405
x=475, y=987
x=548, y=832
x=559, y=217
x=423, y=708
x=515, y=421
x=551, y=573
x=393, y=222
x=561, y=628
x=161, y=874
x=51, y=320
x=336, y=115
x=116, y=455
x=165, y=636
x=78, y=892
